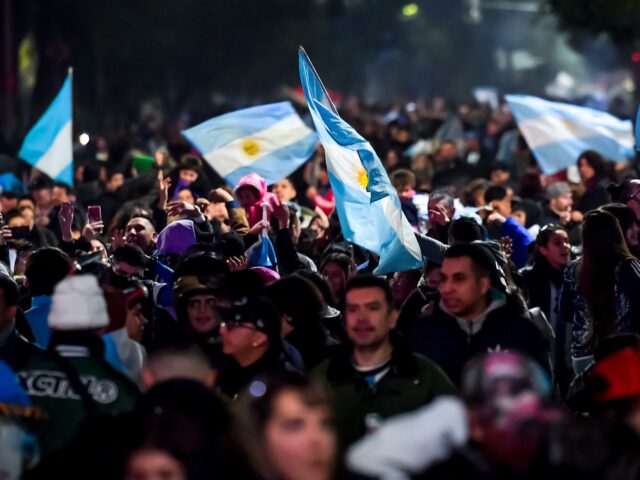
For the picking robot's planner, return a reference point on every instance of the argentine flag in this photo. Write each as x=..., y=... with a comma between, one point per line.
x=49, y=146
x=270, y=140
x=368, y=205
x=557, y=133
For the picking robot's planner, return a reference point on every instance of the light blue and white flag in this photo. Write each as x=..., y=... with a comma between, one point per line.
x=270, y=140
x=49, y=146
x=368, y=205
x=557, y=133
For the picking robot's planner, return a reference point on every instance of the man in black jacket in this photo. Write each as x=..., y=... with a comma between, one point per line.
x=474, y=315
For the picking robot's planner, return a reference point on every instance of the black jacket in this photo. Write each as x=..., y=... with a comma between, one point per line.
x=233, y=378
x=442, y=339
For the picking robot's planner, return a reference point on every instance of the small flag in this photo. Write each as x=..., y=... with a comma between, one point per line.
x=367, y=204
x=557, y=133
x=270, y=140
x=49, y=146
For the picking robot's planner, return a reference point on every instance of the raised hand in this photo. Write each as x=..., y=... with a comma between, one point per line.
x=438, y=216
x=164, y=184
x=220, y=195
x=281, y=212
x=5, y=235
x=117, y=239
x=65, y=218
x=183, y=208
x=92, y=229
x=237, y=263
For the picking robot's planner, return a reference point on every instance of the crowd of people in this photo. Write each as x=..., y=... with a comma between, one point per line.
x=157, y=324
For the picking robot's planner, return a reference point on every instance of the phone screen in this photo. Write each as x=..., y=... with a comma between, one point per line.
x=94, y=213
x=19, y=232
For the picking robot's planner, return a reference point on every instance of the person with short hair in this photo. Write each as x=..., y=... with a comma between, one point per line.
x=500, y=200
x=251, y=343
x=46, y=267
x=376, y=376
x=475, y=314
x=14, y=347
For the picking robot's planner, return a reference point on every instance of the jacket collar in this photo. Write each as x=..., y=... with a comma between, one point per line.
x=403, y=362
x=471, y=327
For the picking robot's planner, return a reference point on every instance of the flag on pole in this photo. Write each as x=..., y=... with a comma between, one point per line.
x=368, y=205
x=270, y=140
x=49, y=146
x=557, y=133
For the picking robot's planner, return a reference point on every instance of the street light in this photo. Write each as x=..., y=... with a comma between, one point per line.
x=410, y=10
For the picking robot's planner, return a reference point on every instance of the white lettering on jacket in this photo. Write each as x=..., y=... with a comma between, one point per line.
x=53, y=384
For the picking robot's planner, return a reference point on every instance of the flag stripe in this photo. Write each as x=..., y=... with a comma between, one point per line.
x=279, y=135
x=558, y=133
x=59, y=155
x=560, y=155
x=219, y=131
x=49, y=146
x=550, y=129
x=279, y=164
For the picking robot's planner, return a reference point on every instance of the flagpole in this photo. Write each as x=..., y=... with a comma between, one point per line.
x=70, y=73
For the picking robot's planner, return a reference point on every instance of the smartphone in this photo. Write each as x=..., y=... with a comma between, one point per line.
x=94, y=214
x=19, y=232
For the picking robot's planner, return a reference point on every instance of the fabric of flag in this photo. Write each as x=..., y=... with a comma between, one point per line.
x=367, y=204
x=270, y=140
x=557, y=133
x=49, y=146
x=262, y=254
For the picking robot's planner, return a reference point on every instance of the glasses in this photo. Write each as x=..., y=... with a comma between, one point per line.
x=231, y=325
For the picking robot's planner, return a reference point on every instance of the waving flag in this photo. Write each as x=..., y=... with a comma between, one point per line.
x=557, y=133
x=368, y=205
x=270, y=140
x=48, y=146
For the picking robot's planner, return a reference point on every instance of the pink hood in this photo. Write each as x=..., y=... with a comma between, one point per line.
x=254, y=212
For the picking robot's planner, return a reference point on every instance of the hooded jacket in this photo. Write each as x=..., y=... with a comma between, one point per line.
x=255, y=181
x=451, y=341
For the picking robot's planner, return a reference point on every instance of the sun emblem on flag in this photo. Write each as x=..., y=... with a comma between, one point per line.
x=251, y=147
x=363, y=179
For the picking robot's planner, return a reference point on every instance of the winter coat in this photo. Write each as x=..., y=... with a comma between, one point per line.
x=71, y=381
x=412, y=381
x=452, y=342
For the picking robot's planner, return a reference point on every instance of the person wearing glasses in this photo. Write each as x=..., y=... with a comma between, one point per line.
x=251, y=343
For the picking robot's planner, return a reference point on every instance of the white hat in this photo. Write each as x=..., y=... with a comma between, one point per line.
x=78, y=304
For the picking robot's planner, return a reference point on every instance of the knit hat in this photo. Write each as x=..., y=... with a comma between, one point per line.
x=176, y=237
x=557, y=189
x=78, y=304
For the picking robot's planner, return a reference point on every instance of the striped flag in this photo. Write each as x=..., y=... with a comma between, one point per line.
x=270, y=140
x=367, y=204
x=557, y=133
x=49, y=146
